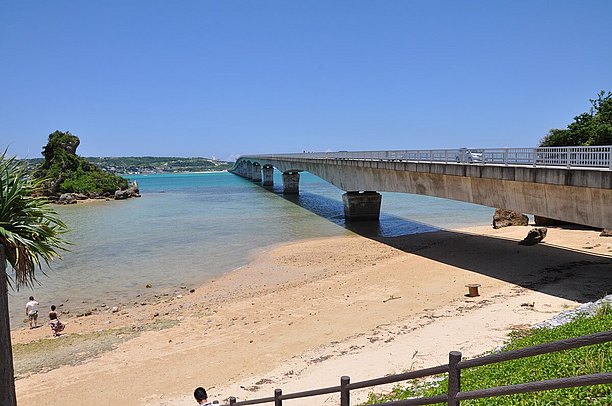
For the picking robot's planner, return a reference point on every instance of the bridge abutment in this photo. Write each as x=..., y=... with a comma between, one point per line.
x=291, y=183
x=268, y=175
x=362, y=206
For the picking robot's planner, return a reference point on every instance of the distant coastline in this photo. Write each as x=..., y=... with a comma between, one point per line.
x=149, y=165
x=173, y=173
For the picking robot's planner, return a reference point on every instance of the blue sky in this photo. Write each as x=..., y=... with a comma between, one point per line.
x=223, y=78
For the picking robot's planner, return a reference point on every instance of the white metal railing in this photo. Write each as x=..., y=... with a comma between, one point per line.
x=568, y=157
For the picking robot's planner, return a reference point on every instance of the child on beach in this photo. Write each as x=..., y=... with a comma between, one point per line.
x=56, y=325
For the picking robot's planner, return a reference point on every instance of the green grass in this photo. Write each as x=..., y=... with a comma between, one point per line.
x=578, y=361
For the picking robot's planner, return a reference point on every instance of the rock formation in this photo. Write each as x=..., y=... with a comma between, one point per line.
x=68, y=177
x=132, y=191
x=534, y=236
x=505, y=218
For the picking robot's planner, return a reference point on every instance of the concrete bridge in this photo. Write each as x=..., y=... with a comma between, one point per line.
x=571, y=184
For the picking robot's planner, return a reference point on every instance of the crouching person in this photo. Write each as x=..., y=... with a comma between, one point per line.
x=56, y=325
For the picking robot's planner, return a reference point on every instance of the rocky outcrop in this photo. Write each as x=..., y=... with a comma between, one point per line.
x=63, y=172
x=606, y=232
x=132, y=191
x=67, y=198
x=72, y=198
x=506, y=218
x=534, y=236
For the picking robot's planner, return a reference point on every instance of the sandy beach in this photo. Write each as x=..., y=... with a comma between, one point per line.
x=301, y=315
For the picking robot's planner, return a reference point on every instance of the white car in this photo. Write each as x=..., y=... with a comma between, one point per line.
x=466, y=155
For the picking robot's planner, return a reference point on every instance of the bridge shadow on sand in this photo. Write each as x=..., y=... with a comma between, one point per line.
x=554, y=270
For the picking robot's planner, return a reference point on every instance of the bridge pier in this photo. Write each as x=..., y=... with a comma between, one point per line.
x=291, y=183
x=268, y=175
x=362, y=206
x=256, y=172
x=246, y=170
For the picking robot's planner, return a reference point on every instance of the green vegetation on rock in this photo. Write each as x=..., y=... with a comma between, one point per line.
x=65, y=172
x=588, y=129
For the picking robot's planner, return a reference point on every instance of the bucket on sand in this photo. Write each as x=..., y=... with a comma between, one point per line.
x=472, y=289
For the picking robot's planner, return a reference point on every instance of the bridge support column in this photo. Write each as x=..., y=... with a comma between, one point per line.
x=362, y=206
x=256, y=173
x=268, y=175
x=291, y=183
x=248, y=171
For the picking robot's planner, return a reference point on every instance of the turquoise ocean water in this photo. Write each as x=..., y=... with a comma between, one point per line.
x=189, y=228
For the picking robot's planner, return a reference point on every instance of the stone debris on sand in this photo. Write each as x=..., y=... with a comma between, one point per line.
x=588, y=309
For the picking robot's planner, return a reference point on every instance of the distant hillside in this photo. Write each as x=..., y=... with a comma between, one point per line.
x=148, y=164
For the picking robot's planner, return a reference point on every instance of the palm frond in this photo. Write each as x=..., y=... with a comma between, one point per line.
x=30, y=230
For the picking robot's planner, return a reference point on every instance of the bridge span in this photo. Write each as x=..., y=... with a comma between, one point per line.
x=572, y=184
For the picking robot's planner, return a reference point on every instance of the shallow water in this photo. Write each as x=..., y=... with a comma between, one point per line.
x=189, y=228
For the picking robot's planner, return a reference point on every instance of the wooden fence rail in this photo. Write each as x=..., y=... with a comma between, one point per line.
x=453, y=369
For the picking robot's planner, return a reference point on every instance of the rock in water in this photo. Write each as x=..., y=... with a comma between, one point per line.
x=132, y=191
x=67, y=198
x=534, y=236
x=135, y=189
x=505, y=218
x=122, y=194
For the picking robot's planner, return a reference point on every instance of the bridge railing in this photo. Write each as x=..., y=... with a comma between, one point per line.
x=453, y=369
x=569, y=157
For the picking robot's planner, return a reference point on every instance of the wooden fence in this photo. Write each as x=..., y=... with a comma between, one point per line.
x=453, y=369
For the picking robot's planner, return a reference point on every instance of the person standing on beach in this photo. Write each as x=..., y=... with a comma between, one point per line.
x=202, y=398
x=31, y=310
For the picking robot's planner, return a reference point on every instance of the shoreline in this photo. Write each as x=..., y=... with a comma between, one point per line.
x=287, y=319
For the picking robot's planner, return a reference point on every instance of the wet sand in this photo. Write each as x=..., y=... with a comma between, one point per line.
x=301, y=315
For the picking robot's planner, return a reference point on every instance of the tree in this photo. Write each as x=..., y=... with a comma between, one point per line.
x=592, y=128
x=30, y=232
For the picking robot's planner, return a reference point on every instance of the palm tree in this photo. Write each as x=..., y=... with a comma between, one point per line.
x=30, y=231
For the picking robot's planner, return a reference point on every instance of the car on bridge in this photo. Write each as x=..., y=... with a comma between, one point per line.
x=467, y=155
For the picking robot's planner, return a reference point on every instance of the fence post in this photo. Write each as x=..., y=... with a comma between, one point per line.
x=345, y=395
x=277, y=397
x=454, y=377
x=232, y=400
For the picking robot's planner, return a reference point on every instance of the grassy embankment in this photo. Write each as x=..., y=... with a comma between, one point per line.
x=579, y=361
